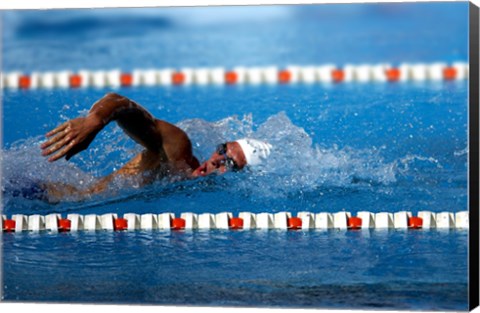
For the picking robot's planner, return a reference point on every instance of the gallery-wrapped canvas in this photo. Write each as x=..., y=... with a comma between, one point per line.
x=297, y=156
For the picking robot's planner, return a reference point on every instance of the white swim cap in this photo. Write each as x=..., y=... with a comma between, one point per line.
x=255, y=151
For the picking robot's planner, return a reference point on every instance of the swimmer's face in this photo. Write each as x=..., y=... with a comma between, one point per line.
x=227, y=157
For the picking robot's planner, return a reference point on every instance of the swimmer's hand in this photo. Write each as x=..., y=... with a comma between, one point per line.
x=71, y=137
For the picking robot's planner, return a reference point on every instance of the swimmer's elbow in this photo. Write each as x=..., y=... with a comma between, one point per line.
x=113, y=96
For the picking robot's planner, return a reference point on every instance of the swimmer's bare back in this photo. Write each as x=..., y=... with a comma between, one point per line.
x=168, y=150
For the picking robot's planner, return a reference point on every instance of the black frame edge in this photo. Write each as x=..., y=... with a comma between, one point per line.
x=473, y=268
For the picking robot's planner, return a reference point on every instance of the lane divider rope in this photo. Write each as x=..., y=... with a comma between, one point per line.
x=327, y=73
x=245, y=220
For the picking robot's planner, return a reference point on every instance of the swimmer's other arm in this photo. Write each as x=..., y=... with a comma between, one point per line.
x=76, y=135
x=164, y=142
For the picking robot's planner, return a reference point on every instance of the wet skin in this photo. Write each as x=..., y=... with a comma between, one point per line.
x=168, y=150
x=217, y=162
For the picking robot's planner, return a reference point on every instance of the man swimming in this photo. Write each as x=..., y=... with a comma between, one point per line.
x=168, y=150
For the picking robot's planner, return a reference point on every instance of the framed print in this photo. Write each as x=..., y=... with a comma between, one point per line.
x=285, y=156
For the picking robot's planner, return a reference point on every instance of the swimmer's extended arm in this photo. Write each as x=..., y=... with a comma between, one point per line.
x=76, y=135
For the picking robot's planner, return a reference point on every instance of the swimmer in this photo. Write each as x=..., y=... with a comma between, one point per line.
x=168, y=150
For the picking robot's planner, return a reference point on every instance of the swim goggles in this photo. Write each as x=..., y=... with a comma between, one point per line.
x=229, y=162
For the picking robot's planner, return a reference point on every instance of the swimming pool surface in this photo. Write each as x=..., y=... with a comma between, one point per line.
x=353, y=147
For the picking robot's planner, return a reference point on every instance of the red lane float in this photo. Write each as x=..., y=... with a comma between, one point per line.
x=24, y=82
x=178, y=223
x=449, y=73
x=75, y=81
x=415, y=222
x=120, y=224
x=126, y=79
x=64, y=225
x=338, y=75
x=294, y=223
x=231, y=78
x=235, y=223
x=392, y=74
x=354, y=223
x=9, y=226
x=284, y=76
x=178, y=78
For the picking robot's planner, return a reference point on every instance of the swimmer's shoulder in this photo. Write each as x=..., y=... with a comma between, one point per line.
x=171, y=134
x=176, y=143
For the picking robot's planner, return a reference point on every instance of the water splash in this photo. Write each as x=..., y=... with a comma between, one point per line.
x=295, y=164
x=205, y=136
x=462, y=152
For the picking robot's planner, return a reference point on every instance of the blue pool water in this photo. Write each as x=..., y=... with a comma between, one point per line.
x=353, y=147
